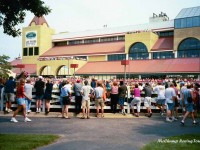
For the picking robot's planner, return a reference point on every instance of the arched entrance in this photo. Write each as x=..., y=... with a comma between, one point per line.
x=138, y=51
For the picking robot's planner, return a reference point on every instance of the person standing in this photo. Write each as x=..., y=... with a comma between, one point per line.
x=48, y=95
x=147, y=99
x=170, y=97
x=136, y=100
x=20, y=95
x=160, y=101
x=122, y=94
x=39, y=87
x=9, y=88
x=99, y=102
x=114, y=97
x=188, y=94
x=28, y=87
x=65, y=94
x=86, y=91
x=78, y=97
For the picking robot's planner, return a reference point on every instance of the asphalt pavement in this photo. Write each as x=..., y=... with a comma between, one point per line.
x=113, y=132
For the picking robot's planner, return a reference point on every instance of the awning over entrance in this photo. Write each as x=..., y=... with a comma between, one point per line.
x=18, y=67
x=165, y=43
x=178, y=65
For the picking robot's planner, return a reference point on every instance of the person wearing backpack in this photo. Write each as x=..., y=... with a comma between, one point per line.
x=188, y=102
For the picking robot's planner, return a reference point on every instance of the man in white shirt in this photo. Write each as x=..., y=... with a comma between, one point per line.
x=170, y=96
x=99, y=102
x=86, y=91
x=160, y=101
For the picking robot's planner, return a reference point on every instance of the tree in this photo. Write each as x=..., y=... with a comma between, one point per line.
x=5, y=66
x=13, y=12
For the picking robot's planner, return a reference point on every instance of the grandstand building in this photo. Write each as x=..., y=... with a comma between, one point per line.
x=159, y=48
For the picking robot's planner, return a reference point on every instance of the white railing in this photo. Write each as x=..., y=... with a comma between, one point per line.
x=55, y=103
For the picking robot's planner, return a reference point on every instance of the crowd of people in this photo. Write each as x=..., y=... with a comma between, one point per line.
x=171, y=94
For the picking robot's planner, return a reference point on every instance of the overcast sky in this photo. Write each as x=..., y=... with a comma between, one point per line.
x=80, y=15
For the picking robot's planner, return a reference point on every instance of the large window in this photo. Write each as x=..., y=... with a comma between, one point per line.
x=116, y=57
x=189, y=48
x=138, y=51
x=187, y=22
x=36, y=51
x=25, y=52
x=31, y=51
x=163, y=55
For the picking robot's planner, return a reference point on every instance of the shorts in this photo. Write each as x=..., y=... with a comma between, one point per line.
x=21, y=101
x=136, y=100
x=189, y=107
x=10, y=97
x=66, y=100
x=170, y=106
x=121, y=101
x=39, y=97
x=99, y=102
x=86, y=103
x=160, y=101
x=147, y=101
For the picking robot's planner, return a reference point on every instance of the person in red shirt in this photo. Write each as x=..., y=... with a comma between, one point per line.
x=20, y=98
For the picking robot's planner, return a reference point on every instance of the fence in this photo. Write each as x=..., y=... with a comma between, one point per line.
x=55, y=102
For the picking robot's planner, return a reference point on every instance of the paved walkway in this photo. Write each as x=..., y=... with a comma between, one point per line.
x=118, y=133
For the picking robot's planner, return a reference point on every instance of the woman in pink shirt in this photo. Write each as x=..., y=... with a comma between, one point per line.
x=136, y=100
x=114, y=97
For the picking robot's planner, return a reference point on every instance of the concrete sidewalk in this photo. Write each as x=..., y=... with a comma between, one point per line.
x=97, y=134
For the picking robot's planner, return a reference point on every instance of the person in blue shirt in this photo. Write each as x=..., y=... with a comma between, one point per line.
x=65, y=94
x=9, y=93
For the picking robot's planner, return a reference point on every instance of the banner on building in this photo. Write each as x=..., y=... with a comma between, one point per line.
x=31, y=39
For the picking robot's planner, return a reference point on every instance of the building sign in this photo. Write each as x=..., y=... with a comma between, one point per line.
x=31, y=39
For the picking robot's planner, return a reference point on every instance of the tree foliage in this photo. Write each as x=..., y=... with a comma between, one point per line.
x=5, y=66
x=13, y=12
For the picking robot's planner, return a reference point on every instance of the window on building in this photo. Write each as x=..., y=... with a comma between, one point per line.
x=188, y=22
x=166, y=34
x=189, y=47
x=108, y=39
x=76, y=42
x=31, y=51
x=163, y=55
x=121, y=38
x=60, y=43
x=87, y=41
x=196, y=21
x=116, y=57
x=36, y=51
x=25, y=52
x=138, y=51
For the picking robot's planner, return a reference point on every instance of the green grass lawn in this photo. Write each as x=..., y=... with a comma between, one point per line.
x=25, y=141
x=182, y=142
